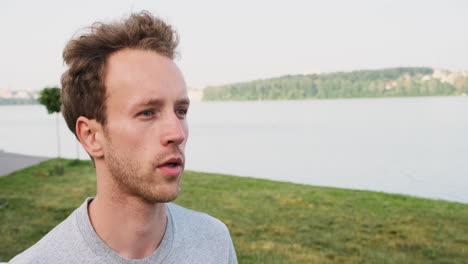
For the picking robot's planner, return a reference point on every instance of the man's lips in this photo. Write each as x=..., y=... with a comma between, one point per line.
x=172, y=162
x=172, y=167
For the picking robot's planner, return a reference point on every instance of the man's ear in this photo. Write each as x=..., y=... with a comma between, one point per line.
x=91, y=135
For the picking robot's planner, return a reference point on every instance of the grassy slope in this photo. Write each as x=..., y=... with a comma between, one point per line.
x=270, y=222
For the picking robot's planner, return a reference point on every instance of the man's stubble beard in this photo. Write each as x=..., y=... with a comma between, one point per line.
x=134, y=178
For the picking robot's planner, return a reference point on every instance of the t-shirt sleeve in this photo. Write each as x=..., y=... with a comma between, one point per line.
x=232, y=253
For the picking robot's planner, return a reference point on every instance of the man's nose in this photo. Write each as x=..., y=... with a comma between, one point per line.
x=174, y=131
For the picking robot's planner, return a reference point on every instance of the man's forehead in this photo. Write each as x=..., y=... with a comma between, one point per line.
x=132, y=61
x=143, y=72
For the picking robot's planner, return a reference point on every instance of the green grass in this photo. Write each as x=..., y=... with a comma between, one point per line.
x=270, y=222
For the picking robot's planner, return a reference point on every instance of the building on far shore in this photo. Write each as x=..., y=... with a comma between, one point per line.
x=19, y=94
x=6, y=93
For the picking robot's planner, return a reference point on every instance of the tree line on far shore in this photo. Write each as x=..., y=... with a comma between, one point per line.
x=392, y=82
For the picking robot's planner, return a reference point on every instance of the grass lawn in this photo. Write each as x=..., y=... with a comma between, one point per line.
x=270, y=222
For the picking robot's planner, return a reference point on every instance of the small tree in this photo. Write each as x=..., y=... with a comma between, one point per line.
x=50, y=98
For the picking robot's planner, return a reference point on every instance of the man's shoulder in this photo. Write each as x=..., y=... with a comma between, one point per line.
x=199, y=234
x=55, y=246
x=190, y=220
x=195, y=218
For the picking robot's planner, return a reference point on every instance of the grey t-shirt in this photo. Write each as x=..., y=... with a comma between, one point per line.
x=190, y=237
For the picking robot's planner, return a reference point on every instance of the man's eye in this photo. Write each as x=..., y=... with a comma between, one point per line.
x=147, y=113
x=181, y=112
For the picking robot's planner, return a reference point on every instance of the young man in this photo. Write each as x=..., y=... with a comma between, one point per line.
x=126, y=101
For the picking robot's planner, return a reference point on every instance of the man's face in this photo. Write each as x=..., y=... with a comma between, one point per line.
x=146, y=127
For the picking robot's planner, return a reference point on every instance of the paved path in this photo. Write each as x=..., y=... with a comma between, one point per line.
x=10, y=162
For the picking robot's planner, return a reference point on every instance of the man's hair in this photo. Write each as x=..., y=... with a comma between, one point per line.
x=83, y=90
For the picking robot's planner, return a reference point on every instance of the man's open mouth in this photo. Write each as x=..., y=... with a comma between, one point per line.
x=172, y=167
x=173, y=162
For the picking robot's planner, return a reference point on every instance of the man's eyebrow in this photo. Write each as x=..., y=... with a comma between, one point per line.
x=158, y=102
x=150, y=102
x=183, y=101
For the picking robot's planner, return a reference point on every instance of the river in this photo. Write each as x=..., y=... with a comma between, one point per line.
x=414, y=146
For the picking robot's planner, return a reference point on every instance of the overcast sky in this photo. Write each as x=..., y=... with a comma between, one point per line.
x=233, y=41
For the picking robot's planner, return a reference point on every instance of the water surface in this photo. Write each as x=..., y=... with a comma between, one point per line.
x=413, y=146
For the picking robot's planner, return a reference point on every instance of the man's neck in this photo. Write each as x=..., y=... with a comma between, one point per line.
x=132, y=227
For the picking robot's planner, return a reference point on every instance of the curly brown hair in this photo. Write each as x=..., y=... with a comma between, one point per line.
x=83, y=90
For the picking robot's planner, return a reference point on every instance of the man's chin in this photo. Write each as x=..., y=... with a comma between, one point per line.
x=152, y=200
x=160, y=197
